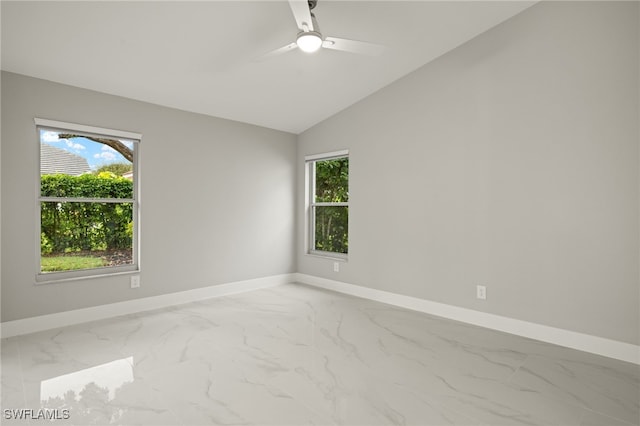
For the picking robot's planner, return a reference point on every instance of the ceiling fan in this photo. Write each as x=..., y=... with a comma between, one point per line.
x=310, y=39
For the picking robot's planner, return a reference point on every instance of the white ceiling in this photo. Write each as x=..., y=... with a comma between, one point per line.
x=203, y=56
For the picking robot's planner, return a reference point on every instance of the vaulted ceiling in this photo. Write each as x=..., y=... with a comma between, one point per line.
x=205, y=56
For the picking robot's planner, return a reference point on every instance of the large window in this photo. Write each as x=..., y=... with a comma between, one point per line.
x=87, y=197
x=329, y=204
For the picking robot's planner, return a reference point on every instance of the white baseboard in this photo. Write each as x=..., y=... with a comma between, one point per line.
x=571, y=339
x=78, y=316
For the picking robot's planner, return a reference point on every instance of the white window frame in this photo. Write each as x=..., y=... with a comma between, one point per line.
x=310, y=184
x=84, y=130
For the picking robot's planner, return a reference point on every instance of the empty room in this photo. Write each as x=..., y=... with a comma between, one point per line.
x=326, y=212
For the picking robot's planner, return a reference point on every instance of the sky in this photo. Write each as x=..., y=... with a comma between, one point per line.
x=96, y=154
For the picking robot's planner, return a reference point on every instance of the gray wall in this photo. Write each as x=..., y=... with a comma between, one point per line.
x=217, y=202
x=511, y=162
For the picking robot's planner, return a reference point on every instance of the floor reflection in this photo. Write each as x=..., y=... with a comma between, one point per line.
x=107, y=377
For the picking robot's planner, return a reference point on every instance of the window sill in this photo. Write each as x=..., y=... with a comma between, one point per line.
x=51, y=278
x=329, y=256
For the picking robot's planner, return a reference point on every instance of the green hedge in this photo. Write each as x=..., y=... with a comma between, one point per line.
x=83, y=226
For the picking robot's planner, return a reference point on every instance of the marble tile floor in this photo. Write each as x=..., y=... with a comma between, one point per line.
x=296, y=355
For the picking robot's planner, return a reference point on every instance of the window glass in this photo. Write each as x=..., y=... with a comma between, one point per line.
x=331, y=228
x=329, y=206
x=332, y=180
x=87, y=200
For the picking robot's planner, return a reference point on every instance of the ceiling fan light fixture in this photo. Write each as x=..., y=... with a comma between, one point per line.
x=309, y=41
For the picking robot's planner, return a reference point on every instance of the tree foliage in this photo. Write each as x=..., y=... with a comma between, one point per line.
x=117, y=169
x=332, y=222
x=332, y=181
x=85, y=226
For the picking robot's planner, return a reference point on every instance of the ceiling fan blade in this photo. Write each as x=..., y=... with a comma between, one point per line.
x=302, y=14
x=284, y=49
x=353, y=46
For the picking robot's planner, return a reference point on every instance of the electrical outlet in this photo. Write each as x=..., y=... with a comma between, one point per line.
x=481, y=292
x=135, y=281
x=336, y=266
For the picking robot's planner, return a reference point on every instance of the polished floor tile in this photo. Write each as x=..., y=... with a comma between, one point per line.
x=296, y=355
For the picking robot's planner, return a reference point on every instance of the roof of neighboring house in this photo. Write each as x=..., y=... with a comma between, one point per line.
x=55, y=160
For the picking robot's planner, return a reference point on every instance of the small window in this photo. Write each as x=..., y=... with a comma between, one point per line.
x=329, y=204
x=88, y=209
